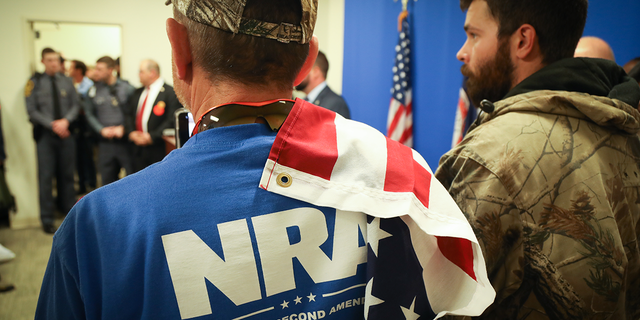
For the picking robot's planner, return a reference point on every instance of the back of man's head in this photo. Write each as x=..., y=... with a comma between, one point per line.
x=594, y=47
x=322, y=63
x=630, y=64
x=79, y=65
x=244, y=58
x=558, y=23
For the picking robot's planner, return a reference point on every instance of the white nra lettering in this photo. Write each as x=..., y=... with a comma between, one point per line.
x=191, y=260
x=276, y=253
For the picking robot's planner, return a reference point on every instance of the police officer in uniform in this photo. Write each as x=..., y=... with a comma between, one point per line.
x=52, y=104
x=104, y=111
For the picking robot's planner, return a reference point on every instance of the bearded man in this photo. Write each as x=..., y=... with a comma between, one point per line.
x=549, y=174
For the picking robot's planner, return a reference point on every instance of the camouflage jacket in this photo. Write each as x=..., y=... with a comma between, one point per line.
x=550, y=182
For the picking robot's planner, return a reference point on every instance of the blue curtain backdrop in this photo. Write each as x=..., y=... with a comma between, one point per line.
x=437, y=34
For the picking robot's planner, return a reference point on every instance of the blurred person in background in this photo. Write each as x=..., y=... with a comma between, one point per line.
x=104, y=109
x=150, y=111
x=53, y=104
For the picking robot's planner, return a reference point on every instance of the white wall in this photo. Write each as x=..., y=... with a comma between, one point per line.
x=143, y=36
x=77, y=41
x=330, y=32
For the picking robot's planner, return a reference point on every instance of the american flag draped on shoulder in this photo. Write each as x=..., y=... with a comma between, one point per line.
x=424, y=259
x=400, y=118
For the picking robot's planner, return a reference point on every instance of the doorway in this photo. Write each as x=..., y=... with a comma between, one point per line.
x=86, y=42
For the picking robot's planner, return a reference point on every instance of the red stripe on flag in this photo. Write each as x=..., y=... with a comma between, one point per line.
x=396, y=118
x=459, y=251
x=408, y=131
x=318, y=160
x=399, y=159
x=406, y=135
x=421, y=190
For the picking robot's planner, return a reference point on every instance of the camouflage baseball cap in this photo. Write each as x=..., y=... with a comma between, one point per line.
x=227, y=15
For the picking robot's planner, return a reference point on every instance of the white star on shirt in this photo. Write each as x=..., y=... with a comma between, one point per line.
x=297, y=300
x=285, y=304
x=369, y=299
x=312, y=297
x=409, y=314
x=375, y=234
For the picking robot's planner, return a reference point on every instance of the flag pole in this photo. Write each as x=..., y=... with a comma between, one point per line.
x=403, y=14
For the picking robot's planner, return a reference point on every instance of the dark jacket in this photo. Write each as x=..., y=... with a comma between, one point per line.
x=332, y=101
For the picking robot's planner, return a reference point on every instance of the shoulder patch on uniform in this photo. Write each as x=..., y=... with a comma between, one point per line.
x=92, y=92
x=28, y=89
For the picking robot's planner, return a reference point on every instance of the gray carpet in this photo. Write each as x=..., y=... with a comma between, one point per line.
x=32, y=248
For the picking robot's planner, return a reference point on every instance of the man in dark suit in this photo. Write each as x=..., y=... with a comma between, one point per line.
x=318, y=93
x=150, y=111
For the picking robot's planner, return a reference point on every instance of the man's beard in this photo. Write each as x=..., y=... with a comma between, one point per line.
x=493, y=79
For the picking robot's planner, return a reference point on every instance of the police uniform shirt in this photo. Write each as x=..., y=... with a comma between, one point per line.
x=106, y=103
x=39, y=99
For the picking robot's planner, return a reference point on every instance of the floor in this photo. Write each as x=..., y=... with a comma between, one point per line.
x=32, y=247
x=25, y=272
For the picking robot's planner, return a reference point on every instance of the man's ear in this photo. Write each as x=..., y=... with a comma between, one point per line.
x=180, y=49
x=525, y=42
x=311, y=60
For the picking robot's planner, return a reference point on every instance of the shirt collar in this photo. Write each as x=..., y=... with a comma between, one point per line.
x=156, y=84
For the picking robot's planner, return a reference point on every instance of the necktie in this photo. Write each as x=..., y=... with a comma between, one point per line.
x=141, y=112
x=57, y=114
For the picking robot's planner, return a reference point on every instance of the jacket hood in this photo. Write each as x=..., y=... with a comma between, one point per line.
x=597, y=77
x=582, y=88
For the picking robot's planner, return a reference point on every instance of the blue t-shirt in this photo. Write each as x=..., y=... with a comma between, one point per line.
x=194, y=237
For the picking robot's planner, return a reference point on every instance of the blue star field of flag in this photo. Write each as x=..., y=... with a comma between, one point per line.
x=395, y=289
x=401, y=68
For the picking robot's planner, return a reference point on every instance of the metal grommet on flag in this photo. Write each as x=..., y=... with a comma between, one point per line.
x=284, y=180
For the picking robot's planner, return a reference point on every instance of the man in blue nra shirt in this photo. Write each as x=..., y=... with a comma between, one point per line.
x=193, y=236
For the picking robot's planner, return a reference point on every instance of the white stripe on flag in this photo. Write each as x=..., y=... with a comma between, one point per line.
x=361, y=145
x=394, y=107
x=397, y=132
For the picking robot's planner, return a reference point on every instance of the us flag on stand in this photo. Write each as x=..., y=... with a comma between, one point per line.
x=400, y=118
